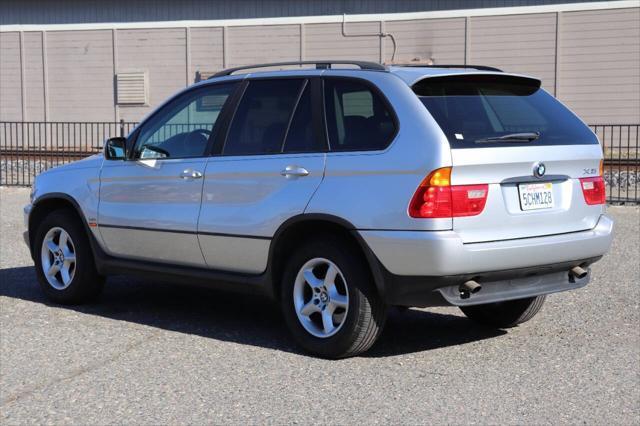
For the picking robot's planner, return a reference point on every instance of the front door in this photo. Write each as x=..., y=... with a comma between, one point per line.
x=149, y=204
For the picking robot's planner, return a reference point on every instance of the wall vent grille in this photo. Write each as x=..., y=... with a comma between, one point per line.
x=132, y=88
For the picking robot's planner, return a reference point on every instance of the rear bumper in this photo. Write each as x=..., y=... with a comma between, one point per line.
x=442, y=253
x=427, y=268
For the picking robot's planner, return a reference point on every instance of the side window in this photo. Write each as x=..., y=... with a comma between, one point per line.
x=260, y=122
x=183, y=128
x=357, y=118
x=301, y=137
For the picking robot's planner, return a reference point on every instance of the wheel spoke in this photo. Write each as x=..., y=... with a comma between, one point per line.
x=309, y=308
x=330, y=277
x=52, y=246
x=71, y=258
x=53, y=270
x=311, y=279
x=327, y=321
x=338, y=300
x=64, y=272
x=64, y=237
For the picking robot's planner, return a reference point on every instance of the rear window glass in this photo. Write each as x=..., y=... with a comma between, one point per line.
x=357, y=117
x=476, y=111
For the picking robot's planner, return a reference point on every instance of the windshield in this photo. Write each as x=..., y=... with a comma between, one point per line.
x=496, y=110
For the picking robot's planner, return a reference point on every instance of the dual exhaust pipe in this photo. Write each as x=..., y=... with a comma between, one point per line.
x=470, y=287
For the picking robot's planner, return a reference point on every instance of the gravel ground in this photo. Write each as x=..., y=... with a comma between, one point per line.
x=152, y=353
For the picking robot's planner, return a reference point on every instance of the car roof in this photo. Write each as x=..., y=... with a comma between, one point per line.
x=410, y=74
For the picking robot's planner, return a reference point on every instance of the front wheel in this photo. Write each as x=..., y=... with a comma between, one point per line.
x=64, y=262
x=505, y=314
x=329, y=301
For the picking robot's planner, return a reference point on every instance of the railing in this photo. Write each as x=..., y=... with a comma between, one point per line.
x=621, y=148
x=28, y=148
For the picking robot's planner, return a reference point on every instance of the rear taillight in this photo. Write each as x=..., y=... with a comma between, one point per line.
x=437, y=198
x=593, y=190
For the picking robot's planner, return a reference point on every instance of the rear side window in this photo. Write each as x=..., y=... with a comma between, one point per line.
x=357, y=117
x=477, y=111
x=261, y=119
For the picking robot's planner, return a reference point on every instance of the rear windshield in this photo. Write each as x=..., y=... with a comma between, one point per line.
x=479, y=111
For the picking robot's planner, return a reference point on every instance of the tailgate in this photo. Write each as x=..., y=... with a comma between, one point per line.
x=531, y=151
x=510, y=173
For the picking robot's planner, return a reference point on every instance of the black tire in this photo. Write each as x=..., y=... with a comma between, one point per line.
x=505, y=314
x=86, y=284
x=366, y=312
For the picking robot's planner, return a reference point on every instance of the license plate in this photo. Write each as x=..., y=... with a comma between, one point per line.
x=534, y=196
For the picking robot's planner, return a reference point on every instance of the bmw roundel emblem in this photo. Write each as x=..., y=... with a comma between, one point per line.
x=539, y=170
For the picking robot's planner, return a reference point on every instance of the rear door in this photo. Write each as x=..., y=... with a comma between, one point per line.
x=272, y=162
x=505, y=131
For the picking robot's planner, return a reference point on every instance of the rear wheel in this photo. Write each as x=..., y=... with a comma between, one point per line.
x=329, y=302
x=505, y=314
x=64, y=262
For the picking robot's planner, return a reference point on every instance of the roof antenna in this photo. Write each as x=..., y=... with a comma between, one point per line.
x=380, y=34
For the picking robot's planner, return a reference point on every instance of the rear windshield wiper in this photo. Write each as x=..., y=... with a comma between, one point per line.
x=512, y=137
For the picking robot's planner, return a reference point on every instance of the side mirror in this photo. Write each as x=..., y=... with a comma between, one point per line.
x=115, y=148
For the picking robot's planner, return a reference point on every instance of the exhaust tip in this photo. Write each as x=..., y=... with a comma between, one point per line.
x=468, y=288
x=578, y=272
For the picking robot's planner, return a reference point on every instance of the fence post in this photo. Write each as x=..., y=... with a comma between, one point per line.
x=122, y=128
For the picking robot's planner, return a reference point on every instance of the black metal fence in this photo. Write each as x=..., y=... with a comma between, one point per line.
x=28, y=148
x=621, y=148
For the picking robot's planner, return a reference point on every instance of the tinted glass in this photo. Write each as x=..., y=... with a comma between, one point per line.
x=183, y=128
x=473, y=109
x=357, y=118
x=261, y=120
x=300, y=137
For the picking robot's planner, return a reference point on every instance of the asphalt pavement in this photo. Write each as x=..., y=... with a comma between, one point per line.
x=154, y=353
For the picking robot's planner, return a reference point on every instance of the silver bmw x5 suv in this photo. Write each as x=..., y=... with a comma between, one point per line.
x=339, y=192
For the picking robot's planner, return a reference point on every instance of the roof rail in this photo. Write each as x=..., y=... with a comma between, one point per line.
x=321, y=64
x=475, y=67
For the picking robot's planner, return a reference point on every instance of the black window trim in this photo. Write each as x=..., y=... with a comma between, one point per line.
x=376, y=90
x=317, y=114
x=132, y=139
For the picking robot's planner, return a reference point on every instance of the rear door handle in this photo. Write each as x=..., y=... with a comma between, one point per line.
x=294, y=171
x=190, y=174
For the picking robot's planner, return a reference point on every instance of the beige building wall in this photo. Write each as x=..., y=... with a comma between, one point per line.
x=439, y=40
x=599, y=65
x=34, y=76
x=162, y=53
x=589, y=59
x=524, y=44
x=10, y=77
x=79, y=76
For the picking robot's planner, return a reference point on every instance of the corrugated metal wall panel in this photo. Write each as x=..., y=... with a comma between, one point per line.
x=269, y=43
x=600, y=65
x=325, y=41
x=160, y=52
x=82, y=11
x=442, y=40
x=80, y=75
x=206, y=50
x=519, y=43
x=10, y=82
x=34, y=76
x=598, y=74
